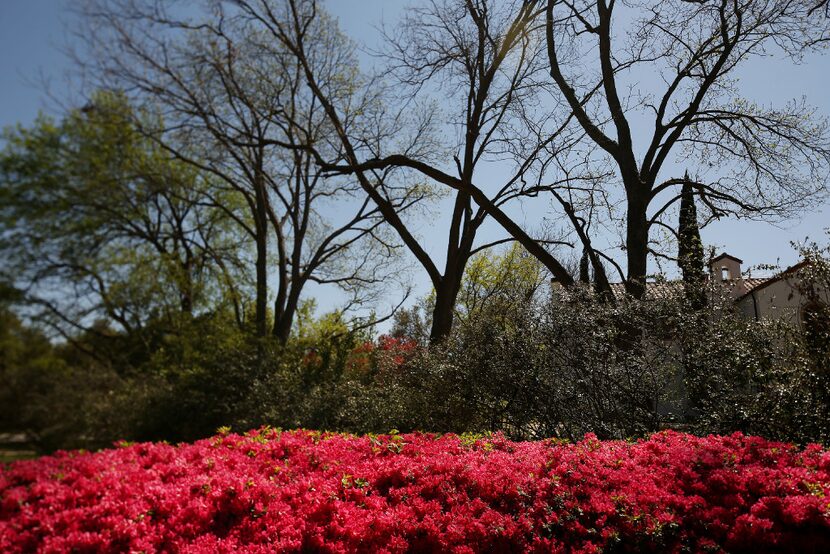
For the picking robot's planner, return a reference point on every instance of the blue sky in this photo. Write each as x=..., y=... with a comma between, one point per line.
x=32, y=33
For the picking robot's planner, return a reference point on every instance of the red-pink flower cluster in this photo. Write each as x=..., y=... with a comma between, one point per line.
x=294, y=491
x=387, y=353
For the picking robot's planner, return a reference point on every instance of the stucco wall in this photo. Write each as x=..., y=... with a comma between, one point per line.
x=780, y=299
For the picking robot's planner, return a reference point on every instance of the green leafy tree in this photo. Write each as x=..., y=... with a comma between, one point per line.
x=25, y=355
x=98, y=223
x=499, y=281
x=494, y=283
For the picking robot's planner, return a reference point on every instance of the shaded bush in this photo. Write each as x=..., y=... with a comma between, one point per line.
x=540, y=364
x=570, y=364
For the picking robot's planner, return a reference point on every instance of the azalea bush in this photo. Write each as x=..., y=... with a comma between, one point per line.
x=269, y=491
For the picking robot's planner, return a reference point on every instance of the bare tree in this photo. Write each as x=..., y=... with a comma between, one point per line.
x=754, y=161
x=818, y=7
x=484, y=59
x=235, y=107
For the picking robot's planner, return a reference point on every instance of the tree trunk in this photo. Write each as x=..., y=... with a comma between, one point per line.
x=186, y=303
x=261, y=282
x=444, y=312
x=584, y=268
x=284, y=319
x=261, y=227
x=636, y=243
x=442, y=316
x=186, y=289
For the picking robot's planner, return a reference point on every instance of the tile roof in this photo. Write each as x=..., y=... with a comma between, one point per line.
x=661, y=290
x=725, y=255
x=793, y=269
x=752, y=282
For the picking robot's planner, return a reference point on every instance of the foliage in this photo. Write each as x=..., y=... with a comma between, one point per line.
x=494, y=279
x=97, y=222
x=690, y=249
x=305, y=490
x=570, y=364
x=529, y=365
x=538, y=369
x=768, y=377
x=491, y=279
x=814, y=285
x=158, y=269
x=26, y=357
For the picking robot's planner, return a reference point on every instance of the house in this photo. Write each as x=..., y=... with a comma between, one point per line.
x=781, y=296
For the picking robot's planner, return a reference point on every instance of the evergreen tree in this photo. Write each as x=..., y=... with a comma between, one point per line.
x=690, y=248
x=584, y=268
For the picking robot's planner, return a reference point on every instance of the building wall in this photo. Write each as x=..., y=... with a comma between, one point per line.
x=780, y=299
x=725, y=269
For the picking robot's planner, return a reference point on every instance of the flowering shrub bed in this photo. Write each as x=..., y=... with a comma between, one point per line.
x=306, y=491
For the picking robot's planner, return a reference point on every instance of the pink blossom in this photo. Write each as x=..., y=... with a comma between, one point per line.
x=269, y=491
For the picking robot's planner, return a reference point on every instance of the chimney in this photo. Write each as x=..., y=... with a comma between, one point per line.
x=725, y=268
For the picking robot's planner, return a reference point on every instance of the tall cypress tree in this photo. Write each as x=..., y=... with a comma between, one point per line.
x=690, y=248
x=584, y=268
